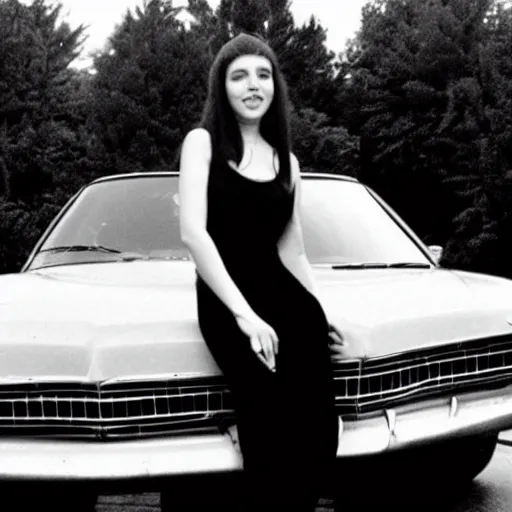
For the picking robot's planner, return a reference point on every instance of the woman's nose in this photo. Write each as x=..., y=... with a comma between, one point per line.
x=253, y=82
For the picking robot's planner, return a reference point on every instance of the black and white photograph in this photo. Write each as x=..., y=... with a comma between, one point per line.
x=256, y=255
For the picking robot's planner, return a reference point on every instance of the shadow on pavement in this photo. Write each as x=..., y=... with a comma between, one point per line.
x=400, y=498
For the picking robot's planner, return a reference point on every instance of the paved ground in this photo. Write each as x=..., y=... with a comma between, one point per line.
x=150, y=502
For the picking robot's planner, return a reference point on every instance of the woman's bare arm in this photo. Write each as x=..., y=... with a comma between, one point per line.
x=291, y=245
x=194, y=172
x=293, y=255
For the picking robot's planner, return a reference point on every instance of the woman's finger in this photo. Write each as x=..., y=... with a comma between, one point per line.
x=336, y=358
x=267, y=350
x=336, y=348
x=262, y=358
x=336, y=335
x=334, y=329
x=275, y=343
x=255, y=343
x=258, y=348
x=270, y=352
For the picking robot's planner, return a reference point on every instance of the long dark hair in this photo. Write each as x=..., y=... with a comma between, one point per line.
x=220, y=121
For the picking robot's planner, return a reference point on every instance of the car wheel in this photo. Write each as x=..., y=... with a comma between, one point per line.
x=465, y=459
x=447, y=466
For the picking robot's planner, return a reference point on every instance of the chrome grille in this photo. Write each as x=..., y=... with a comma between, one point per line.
x=113, y=409
x=393, y=380
x=120, y=410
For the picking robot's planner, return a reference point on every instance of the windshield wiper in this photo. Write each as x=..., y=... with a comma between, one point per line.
x=358, y=266
x=78, y=248
x=125, y=256
x=408, y=264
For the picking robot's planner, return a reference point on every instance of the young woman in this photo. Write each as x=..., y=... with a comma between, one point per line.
x=258, y=308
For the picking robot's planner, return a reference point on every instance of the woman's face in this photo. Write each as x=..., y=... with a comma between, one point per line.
x=250, y=87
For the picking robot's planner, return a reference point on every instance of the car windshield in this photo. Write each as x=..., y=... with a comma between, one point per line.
x=138, y=218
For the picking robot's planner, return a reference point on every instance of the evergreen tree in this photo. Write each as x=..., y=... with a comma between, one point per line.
x=417, y=94
x=149, y=89
x=37, y=133
x=483, y=229
x=35, y=76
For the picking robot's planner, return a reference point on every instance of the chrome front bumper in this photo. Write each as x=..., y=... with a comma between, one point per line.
x=214, y=453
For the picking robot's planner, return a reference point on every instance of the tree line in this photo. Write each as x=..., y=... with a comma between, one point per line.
x=418, y=106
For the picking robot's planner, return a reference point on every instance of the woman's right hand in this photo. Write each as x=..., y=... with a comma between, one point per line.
x=263, y=338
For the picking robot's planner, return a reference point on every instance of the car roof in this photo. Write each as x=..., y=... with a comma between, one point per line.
x=307, y=175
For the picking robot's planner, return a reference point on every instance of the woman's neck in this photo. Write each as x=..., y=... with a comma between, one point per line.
x=250, y=132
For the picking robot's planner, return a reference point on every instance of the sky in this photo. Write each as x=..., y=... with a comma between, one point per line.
x=341, y=18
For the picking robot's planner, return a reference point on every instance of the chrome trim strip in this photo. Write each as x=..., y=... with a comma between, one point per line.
x=136, y=379
x=45, y=379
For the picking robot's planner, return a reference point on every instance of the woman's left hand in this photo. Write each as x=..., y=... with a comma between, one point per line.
x=337, y=343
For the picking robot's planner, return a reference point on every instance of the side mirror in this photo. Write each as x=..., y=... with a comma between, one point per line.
x=436, y=251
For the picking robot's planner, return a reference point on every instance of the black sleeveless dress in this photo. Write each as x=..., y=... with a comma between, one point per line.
x=286, y=421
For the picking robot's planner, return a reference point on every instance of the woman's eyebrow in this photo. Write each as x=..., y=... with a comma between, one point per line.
x=244, y=69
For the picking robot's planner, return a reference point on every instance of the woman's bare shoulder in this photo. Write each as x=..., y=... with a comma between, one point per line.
x=198, y=134
x=198, y=142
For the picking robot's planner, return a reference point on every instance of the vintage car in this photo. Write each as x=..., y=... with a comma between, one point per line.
x=105, y=378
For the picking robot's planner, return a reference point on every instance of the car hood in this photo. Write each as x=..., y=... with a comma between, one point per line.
x=138, y=319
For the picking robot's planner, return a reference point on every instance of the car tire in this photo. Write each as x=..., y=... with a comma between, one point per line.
x=447, y=467
x=467, y=458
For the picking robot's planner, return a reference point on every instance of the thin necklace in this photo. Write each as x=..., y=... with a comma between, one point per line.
x=248, y=163
x=250, y=156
